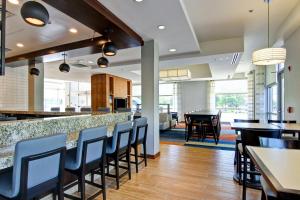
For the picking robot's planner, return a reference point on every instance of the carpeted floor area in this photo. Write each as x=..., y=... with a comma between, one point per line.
x=177, y=136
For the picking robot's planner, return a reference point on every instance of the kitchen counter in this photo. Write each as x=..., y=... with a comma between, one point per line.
x=13, y=131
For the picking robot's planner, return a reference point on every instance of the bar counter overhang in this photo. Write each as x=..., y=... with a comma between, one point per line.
x=13, y=131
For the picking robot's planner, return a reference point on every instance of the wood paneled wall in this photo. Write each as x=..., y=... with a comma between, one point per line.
x=106, y=87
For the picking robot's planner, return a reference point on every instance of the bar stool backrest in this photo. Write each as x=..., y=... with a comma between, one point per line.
x=90, y=145
x=282, y=121
x=70, y=109
x=55, y=109
x=122, y=133
x=37, y=161
x=139, y=129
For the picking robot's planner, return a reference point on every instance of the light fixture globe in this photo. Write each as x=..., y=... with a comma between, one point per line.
x=102, y=62
x=34, y=71
x=34, y=13
x=269, y=56
x=109, y=49
x=64, y=67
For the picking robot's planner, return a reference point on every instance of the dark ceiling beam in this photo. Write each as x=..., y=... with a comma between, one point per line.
x=94, y=15
x=97, y=17
x=83, y=47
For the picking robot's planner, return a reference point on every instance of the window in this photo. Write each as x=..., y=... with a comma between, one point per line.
x=231, y=96
x=167, y=96
x=61, y=94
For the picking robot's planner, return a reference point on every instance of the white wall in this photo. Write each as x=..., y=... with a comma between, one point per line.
x=292, y=78
x=192, y=96
x=14, y=89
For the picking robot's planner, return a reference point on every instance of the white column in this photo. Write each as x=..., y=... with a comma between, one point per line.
x=150, y=94
x=36, y=88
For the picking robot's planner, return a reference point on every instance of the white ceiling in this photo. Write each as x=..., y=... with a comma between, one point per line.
x=203, y=32
x=35, y=38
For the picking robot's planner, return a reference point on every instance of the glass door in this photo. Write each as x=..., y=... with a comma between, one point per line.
x=273, y=106
x=281, y=94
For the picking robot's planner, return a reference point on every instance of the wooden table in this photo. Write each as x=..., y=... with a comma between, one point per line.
x=199, y=116
x=280, y=168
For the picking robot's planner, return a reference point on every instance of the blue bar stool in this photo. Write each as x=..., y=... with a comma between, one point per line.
x=140, y=128
x=118, y=147
x=86, y=158
x=38, y=169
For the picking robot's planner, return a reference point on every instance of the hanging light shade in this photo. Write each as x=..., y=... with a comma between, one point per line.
x=269, y=56
x=102, y=62
x=64, y=67
x=109, y=49
x=34, y=71
x=34, y=13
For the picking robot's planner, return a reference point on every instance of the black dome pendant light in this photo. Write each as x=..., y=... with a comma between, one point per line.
x=102, y=62
x=34, y=13
x=109, y=48
x=34, y=71
x=64, y=67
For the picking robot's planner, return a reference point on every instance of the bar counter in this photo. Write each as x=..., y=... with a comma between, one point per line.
x=13, y=131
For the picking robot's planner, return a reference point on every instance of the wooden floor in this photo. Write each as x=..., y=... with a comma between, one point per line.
x=182, y=173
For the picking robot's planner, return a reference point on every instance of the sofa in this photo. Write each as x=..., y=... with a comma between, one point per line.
x=166, y=121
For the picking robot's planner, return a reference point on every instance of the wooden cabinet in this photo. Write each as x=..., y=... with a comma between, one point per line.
x=105, y=88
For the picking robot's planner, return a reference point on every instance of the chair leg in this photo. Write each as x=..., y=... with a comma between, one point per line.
x=82, y=186
x=103, y=180
x=145, y=154
x=263, y=195
x=128, y=163
x=136, y=159
x=244, y=177
x=117, y=171
x=60, y=192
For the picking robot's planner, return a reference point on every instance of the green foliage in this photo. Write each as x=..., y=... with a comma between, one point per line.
x=231, y=101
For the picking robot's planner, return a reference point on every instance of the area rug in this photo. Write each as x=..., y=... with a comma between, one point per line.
x=177, y=136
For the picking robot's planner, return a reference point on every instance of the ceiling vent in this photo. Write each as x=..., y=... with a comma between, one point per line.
x=235, y=58
x=175, y=74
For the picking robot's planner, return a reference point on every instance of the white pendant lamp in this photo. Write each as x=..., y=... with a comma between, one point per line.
x=269, y=56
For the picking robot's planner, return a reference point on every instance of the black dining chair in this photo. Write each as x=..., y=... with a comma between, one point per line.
x=250, y=137
x=267, y=192
x=238, y=140
x=285, y=122
x=212, y=128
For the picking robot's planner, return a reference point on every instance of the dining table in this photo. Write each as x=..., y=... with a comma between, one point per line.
x=266, y=126
x=199, y=117
x=280, y=169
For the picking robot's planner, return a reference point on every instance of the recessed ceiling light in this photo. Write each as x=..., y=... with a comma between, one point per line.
x=138, y=0
x=161, y=27
x=172, y=50
x=90, y=62
x=20, y=45
x=16, y=2
x=73, y=30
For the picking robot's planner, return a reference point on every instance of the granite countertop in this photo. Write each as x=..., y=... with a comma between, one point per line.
x=46, y=113
x=13, y=131
x=7, y=153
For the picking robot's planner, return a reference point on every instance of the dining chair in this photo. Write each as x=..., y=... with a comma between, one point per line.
x=140, y=128
x=212, y=128
x=38, y=169
x=85, y=109
x=88, y=157
x=238, y=140
x=70, y=109
x=103, y=109
x=55, y=109
x=250, y=137
x=118, y=147
x=267, y=192
x=285, y=122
